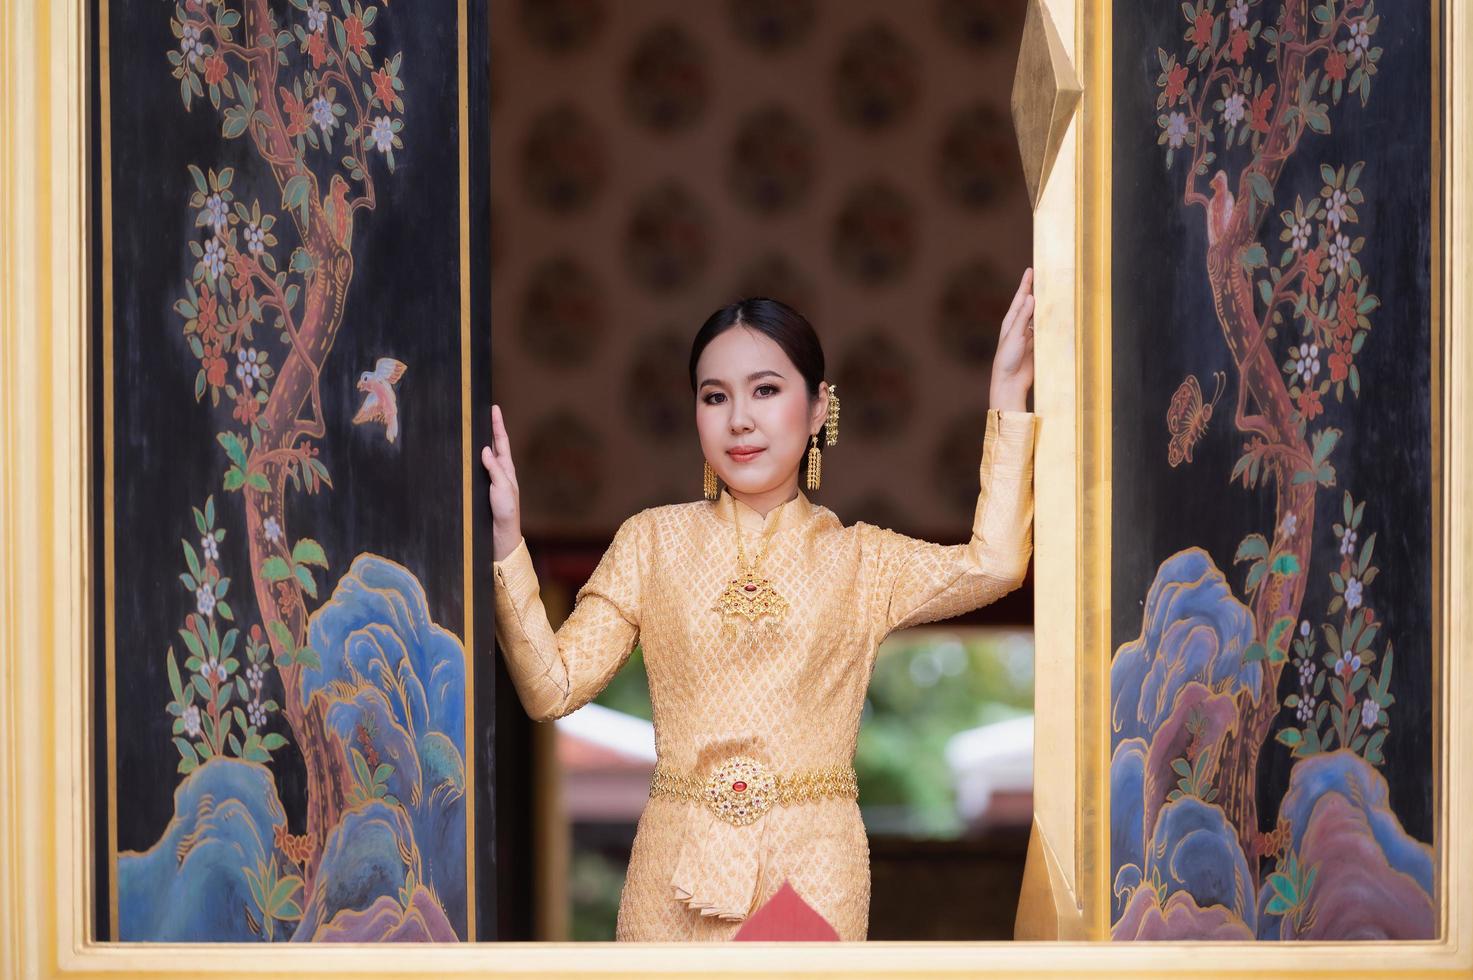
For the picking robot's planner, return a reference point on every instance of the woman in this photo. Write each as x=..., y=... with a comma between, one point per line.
x=760, y=614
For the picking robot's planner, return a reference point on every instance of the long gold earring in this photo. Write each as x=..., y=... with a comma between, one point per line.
x=815, y=464
x=831, y=425
x=709, y=481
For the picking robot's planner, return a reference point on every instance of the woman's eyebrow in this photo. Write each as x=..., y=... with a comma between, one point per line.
x=751, y=377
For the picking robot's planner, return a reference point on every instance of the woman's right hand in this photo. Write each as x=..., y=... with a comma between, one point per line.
x=506, y=509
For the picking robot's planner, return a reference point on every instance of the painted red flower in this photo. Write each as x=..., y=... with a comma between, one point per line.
x=1262, y=103
x=383, y=87
x=353, y=27
x=1202, y=29
x=1309, y=403
x=1312, y=274
x=1340, y=359
x=215, y=369
x=209, y=311
x=284, y=599
x=246, y=408
x=296, y=114
x=317, y=48
x=1237, y=45
x=1335, y=66
x=241, y=282
x=1176, y=84
x=214, y=69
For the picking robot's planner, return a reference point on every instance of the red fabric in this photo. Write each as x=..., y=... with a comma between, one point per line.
x=785, y=917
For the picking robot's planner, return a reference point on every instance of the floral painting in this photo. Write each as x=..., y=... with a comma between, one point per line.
x=1271, y=689
x=289, y=629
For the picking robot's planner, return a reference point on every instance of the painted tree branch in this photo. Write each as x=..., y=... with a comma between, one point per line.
x=1259, y=376
x=312, y=332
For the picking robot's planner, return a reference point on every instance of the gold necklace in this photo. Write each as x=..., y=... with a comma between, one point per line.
x=749, y=595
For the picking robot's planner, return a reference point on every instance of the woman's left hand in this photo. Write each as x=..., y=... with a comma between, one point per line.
x=1012, y=366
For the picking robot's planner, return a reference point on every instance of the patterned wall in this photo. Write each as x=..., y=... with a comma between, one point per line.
x=654, y=159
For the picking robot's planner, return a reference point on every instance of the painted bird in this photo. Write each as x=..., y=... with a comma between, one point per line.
x=339, y=214
x=1220, y=208
x=381, y=405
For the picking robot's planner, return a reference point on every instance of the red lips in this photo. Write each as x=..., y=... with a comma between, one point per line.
x=744, y=453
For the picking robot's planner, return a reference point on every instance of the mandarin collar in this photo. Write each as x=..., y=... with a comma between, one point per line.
x=790, y=513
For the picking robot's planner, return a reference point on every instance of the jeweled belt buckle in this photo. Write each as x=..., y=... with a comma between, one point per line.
x=740, y=790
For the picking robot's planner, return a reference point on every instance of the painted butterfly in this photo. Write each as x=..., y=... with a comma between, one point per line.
x=1187, y=417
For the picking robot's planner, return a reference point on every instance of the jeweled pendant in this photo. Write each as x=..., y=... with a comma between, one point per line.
x=750, y=597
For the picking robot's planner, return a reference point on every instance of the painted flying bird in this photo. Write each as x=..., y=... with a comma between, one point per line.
x=1220, y=208
x=339, y=213
x=381, y=405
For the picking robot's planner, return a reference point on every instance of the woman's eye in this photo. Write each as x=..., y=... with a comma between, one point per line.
x=711, y=399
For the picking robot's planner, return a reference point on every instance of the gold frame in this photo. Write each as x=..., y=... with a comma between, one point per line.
x=46, y=797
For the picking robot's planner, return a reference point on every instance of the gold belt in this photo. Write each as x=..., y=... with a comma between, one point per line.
x=740, y=789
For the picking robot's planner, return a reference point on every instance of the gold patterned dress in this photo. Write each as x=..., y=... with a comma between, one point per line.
x=790, y=699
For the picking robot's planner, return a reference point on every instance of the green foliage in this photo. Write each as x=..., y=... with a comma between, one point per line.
x=370, y=784
x=1321, y=471
x=304, y=553
x=274, y=895
x=1339, y=686
x=218, y=706
x=1192, y=779
x=1291, y=885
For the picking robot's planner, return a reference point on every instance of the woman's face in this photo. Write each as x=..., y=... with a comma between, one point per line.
x=749, y=394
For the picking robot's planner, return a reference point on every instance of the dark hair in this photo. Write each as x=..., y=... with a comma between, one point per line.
x=778, y=321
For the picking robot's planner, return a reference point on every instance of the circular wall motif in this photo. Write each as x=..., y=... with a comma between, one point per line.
x=973, y=302
x=564, y=466
x=562, y=321
x=977, y=23
x=666, y=85
x=773, y=275
x=955, y=459
x=667, y=240
x=771, y=25
x=875, y=233
x=564, y=159
x=657, y=393
x=772, y=160
x=978, y=154
x=876, y=380
x=562, y=26
x=877, y=79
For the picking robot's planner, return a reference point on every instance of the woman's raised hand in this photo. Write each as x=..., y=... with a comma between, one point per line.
x=1012, y=366
x=506, y=507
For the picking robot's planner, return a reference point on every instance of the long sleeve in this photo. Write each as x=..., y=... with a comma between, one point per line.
x=920, y=581
x=558, y=672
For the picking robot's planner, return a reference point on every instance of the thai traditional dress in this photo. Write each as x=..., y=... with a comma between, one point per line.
x=755, y=736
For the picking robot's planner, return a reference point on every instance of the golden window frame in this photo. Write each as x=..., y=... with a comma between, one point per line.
x=46, y=803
